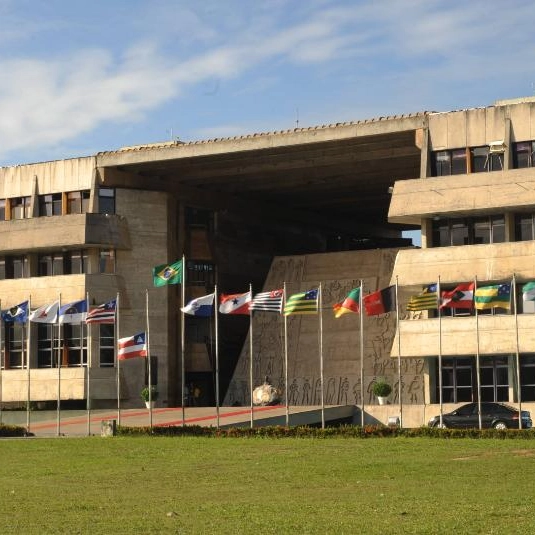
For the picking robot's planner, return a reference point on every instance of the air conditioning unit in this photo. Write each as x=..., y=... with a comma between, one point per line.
x=496, y=147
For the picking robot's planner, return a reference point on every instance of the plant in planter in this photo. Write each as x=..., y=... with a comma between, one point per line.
x=149, y=395
x=382, y=390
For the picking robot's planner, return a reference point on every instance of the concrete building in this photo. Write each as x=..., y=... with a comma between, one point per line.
x=325, y=204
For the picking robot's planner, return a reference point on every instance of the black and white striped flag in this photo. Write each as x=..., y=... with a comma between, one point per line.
x=268, y=301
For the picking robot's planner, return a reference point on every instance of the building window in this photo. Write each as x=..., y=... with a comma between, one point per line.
x=2, y=209
x=78, y=202
x=524, y=227
x=457, y=375
x=45, y=346
x=448, y=162
x=14, y=345
x=200, y=273
x=51, y=264
x=483, y=159
x=523, y=154
x=469, y=231
x=527, y=377
x=50, y=204
x=13, y=267
x=76, y=262
x=106, y=201
x=20, y=207
x=74, y=345
x=494, y=373
x=107, y=345
x=107, y=261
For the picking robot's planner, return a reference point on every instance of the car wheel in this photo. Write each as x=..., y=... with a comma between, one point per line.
x=438, y=425
x=500, y=425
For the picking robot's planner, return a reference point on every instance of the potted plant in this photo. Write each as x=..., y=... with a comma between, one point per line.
x=382, y=390
x=149, y=396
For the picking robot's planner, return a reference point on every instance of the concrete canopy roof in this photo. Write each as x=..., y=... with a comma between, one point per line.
x=337, y=176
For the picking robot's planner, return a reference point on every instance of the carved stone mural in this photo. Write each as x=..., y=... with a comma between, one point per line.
x=338, y=274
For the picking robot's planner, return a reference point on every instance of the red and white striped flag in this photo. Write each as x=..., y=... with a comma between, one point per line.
x=131, y=347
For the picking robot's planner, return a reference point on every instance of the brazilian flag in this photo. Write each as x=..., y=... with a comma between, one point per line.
x=167, y=274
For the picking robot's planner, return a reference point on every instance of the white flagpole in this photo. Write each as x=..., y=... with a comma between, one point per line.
x=26, y=333
x=440, y=378
x=251, y=356
x=59, y=349
x=117, y=361
x=400, y=384
x=320, y=305
x=478, y=370
x=147, y=343
x=361, y=312
x=183, y=341
x=216, y=313
x=286, y=358
x=89, y=350
x=3, y=359
x=518, y=386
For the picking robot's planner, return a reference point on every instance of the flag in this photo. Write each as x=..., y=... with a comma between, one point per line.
x=202, y=306
x=74, y=312
x=104, y=313
x=426, y=300
x=18, y=313
x=380, y=301
x=132, y=347
x=45, y=314
x=268, y=301
x=349, y=304
x=461, y=296
x=528, y=291
x=235, y=303
x=167, y=273
x=302, y=303
x=495, y=296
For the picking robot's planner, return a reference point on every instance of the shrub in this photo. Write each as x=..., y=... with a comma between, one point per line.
x=381, y=388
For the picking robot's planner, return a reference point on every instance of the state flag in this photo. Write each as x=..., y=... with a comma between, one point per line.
x=45, y=313
x=494, y=296
x=528, y=291
x=132, y=347
x=16, y=314
x=201, y=306
x=302, y=303
x=462, y=296
x=268, y=301
x=380, y=302
x=75, y=312
x=349, y=304
x=104, y=313
x=235, y=303
x=426, y=300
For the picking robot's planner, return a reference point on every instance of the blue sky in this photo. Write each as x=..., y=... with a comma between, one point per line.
x=83, y=77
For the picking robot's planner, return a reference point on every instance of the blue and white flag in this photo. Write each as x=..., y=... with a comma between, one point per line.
x=202, y=306
x=18, y=313
x=75, y=312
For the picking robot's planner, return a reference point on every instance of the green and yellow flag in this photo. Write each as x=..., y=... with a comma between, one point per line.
x=427, y=300
x=495, y=296
x=302, y=303
x=167, y=274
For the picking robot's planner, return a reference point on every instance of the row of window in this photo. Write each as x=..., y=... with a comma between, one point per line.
x=481, y=230
x=480, y=159
x=459, y=379
x=76, y=202
x=70, y=349
x=55, y=263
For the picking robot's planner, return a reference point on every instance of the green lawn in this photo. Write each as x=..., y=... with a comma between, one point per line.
x=261, y=485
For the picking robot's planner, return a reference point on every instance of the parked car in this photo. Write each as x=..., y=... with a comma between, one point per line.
x=495, y=415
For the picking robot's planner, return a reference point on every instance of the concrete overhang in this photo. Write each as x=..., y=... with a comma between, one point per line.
x=338, y=175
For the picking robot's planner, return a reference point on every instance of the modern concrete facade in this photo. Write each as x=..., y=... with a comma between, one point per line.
x=306, y=206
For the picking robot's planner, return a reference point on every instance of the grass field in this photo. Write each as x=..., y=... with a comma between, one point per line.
x=259, y=485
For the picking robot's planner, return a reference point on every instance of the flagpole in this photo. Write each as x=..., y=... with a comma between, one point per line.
x=216, y=326
x=440, y=378
x=89, y=350
x=478, y=372
x=117, y=361
x=321, y=357
x=519, y=390
x=26, y=337
x=251, y=356
x=183, y=341
x=147, y=342
x=400, y=384
x=361, y=353
x=286, y=358
x=58, y=408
